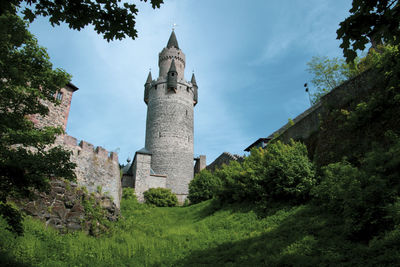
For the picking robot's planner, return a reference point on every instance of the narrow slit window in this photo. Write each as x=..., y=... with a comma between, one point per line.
x=59, y=96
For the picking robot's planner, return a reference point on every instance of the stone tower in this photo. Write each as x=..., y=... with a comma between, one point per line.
x=170, y=101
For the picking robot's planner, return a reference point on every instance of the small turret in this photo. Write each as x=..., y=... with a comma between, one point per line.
x=173, y=42
x=147, y=87
x=172, y=80
x=195, y=90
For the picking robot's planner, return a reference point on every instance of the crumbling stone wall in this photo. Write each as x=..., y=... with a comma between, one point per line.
x=62, y=207
x=97, y=169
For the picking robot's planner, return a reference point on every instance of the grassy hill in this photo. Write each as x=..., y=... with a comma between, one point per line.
x=201, y=235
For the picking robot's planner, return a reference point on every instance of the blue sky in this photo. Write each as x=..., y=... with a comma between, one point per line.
x=249, y=58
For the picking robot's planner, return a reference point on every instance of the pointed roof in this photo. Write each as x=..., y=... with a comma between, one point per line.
x=172, y=42
x=149, y=78
x=193, y=81
x=173, y=67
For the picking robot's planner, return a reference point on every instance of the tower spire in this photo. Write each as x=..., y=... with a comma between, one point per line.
x=172, y=80
x=149, y=78
x=173, y=67
x=193, y=81
x=172, y=42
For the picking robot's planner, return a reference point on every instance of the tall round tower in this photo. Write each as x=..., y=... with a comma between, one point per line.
x=169, y=126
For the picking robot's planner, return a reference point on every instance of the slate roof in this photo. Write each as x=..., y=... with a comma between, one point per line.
x=172, y=42
x=149, y=78
x=173, y=67
x=72, y=86
x=144, y=151
x=259, y=140
x=193, y=81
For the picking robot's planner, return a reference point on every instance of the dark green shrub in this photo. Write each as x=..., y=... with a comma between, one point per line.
x=288, y=173
x=128, y=193
x=233, y=187
x=340, y=188
x=366, y=197
x=160, y=197
x=203, y=187
x=281, y=172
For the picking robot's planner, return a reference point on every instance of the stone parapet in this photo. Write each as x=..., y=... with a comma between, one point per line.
x=97, y=169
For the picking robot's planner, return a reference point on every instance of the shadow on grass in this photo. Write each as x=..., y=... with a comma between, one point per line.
x=7, y=260
x=303, y=237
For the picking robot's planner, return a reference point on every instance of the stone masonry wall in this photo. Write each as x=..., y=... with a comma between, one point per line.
x=96, y=167
x=143, y=180
x=308, y=122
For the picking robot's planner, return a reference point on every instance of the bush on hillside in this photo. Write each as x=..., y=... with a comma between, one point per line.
x=366, y=197
x=289, y=174
x=281, y=172
x=160, y=197
x=203, y=187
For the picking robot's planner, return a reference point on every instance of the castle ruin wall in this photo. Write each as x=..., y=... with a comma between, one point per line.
x=96, y=168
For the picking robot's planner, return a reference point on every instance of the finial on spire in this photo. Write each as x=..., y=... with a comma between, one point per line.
x=173, y=26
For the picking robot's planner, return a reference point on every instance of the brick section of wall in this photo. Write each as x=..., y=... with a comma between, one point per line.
x=224, y=158
x=58, y=114
x=143, y=180
x=96, y=167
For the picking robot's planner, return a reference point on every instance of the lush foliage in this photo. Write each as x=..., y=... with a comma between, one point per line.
x=26, y=79
x=366, y=119
x=364, y=189
x=200, y=236
x=374, y=21
x=204, y=186
x=328, y=74
x=129, y=194
x=366, y=197
x=279, y=173
x=111, y=18
x=160, y=197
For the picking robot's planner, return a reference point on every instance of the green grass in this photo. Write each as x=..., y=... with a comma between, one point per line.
x=201, y=235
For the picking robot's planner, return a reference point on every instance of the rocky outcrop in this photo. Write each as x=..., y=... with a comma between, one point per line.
x=67, y=207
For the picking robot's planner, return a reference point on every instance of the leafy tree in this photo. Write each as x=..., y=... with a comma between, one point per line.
x=328, y=74
x=204, y=186
x=160, y=197
x=371, y=20
x=110, y=18
x=26, y=79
